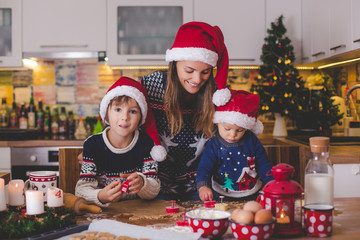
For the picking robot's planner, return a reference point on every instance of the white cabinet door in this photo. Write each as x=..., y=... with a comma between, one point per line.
x=306, y=32
x=64, y=25
x=319, y=18
x=10, y=33
x=346, y=180
x=291, y=10
x=355, y=23
x=242, y=23
x=5, y=159
x=139, y=32
x=340, y=26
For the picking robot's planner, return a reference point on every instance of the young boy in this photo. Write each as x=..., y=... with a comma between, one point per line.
x=122, y=151
x=234, y=161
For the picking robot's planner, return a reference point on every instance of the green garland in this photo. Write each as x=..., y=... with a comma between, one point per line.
x=15, y=224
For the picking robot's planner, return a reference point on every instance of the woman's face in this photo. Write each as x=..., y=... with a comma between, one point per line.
x=193, y=74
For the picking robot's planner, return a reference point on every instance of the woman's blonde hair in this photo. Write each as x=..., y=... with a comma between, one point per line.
x=205, y=109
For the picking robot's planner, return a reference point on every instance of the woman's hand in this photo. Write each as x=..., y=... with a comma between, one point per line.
x=80, y=158
x=136, y=182
x=205, y=194
x=110, y=193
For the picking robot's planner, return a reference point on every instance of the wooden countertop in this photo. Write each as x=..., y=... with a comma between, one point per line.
x=346, y=223
x=5, y=176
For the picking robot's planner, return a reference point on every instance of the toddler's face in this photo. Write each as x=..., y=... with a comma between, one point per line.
x=231, y=132
x=124, y=117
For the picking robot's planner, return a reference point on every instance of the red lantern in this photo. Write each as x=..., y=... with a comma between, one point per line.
x=284, y=198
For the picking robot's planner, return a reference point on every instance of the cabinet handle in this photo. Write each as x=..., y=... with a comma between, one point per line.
x=317, y=54
x=64, y=46
x=357, y=40
x=242, y=59
x=305, y=58
x=339, y=46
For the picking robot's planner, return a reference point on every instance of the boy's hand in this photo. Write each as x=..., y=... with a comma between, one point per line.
x=205, y=194
x=110, y=193
x=80, y=158
x=136, y=182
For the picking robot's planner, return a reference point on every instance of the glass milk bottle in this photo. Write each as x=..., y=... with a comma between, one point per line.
x=319, y=173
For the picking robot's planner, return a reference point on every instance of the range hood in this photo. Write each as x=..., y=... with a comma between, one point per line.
x=65, y=55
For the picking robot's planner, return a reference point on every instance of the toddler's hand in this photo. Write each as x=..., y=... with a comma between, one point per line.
x=136, y=182
x=205, y=194
x=110, y=193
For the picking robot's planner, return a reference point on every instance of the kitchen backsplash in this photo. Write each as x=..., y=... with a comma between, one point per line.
x=79, y=85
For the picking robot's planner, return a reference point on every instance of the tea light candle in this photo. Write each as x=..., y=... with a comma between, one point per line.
x=55, y=197
x=34, y=202
x=16, y=192
x=2, y=195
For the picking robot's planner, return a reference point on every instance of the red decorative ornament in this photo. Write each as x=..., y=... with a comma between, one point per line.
x=270, y=83
x=320, y=128
x=328, y=112
x=284, y=197
x=280, y=100
x=264, y=45
x=279, y=46
x=273, y=73
x=290, y=55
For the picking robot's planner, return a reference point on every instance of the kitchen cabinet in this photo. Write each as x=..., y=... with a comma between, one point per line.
x=318, y=13
x=140, y=32
x=355, y=24
x=340, y=26
x=291, y=10
x=306, y=33
x=242, y=23
x=64, y=26
x=10, y=33
x=346, y=180
x=5, y=159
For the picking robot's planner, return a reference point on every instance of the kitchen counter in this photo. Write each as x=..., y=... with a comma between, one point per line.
x=42, y=143
x=346, y=223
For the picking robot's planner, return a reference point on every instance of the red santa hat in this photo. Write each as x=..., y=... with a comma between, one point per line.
x=199, y=41
x=129, y=87
x=242, y=110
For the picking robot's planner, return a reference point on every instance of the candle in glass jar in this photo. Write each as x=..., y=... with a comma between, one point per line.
x=34, y=202
x=54, y=197
x=16, y=192
x=2, y=195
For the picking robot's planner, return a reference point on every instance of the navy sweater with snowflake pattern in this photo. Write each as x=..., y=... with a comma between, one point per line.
x=234, y=169
x=178, y=172
x=103, y=163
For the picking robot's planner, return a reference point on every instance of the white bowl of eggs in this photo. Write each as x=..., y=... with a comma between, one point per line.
x=252, y=222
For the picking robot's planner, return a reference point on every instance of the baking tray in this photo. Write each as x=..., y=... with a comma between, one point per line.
x=58, y=233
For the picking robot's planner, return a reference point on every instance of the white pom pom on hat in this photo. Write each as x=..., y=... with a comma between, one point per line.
x=129, y=87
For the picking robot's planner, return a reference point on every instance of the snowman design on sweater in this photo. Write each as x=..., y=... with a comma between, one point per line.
x=234, y=169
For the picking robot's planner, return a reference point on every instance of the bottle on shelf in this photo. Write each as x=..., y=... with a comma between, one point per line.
x=31, y=114
x=23, y=118
x=80, y=132
x=71, y=125
x=62, y=122
x=319, y=173
x=47, y=121
x=14, y=117
x=55, y=122
x=4, y=114
x=40, y=114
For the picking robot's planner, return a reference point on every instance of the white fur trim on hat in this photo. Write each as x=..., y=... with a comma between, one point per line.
x=158, y=153
x=124, y=91
x=192, y=54
x=221, y=97
x=239, y=119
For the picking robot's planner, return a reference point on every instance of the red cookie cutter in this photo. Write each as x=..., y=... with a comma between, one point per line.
x=210, y=204
x=172, y=209
x=183, y=222
x=124, y=186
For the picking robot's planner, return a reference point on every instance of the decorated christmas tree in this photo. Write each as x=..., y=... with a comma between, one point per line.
x=318, y=110
x=278, y=83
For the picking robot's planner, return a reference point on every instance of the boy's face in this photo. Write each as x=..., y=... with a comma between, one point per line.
x=124, y=117
x=231, y=133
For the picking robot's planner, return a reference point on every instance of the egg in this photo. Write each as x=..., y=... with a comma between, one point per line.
x=263, y=216
x=252, y=206
x=242, y=216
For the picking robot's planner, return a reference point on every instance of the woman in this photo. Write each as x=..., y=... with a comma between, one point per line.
x=181, y=100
